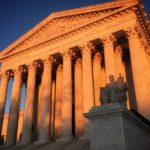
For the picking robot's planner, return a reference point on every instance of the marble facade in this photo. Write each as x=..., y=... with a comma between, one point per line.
x=65, y=59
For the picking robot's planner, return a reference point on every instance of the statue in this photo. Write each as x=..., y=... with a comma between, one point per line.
x=114, y=91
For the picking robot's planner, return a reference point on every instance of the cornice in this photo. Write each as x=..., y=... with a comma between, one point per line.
x=144, y=21
x=78, y=30
x=87, y=9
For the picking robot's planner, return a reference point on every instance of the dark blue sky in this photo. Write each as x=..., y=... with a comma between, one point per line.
x=18, y=16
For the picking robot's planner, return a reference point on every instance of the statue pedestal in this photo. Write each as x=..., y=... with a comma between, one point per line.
x=112, y=127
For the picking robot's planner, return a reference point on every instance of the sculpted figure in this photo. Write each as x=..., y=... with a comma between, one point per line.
x=114, y=91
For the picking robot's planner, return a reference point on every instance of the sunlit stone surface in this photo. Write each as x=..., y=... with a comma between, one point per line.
x=64, y=61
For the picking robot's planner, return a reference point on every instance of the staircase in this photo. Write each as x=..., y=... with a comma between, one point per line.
x=83, y=144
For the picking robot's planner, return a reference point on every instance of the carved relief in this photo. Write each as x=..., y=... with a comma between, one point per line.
x=48, y=61
x=108, y=39
x=132, y=31
x=87, y=48
x=59, y=26
x=67, y=54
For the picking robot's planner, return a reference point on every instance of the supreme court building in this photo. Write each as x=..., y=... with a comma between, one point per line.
x=64, y=60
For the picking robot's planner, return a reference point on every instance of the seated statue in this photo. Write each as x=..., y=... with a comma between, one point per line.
x=114, y=91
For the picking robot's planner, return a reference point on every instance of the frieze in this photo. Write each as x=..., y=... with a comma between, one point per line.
x=58, y=26
x=83, y=28
x=89, y=26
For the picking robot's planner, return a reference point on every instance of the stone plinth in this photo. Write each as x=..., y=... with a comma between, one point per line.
x=114, y=128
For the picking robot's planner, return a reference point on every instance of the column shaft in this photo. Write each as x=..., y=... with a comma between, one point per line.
x=141, y=82
x=29, y=106
x=98, y=76
x=120, y=67
x=67, y=97
x=53, y=108
x=88, y=87
x=3, y=94
x=58, y=106
x=39, y=105
x=14, y=108
x=44, y=117
x=79, y=118
x=109, y=55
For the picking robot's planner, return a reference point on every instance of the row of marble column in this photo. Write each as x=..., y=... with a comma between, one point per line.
x=87, y=77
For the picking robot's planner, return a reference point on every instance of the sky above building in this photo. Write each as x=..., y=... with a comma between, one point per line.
x=19, y=16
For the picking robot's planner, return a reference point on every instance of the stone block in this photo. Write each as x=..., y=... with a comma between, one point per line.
x=112, y=127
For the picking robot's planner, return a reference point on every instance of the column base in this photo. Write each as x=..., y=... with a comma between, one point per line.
x=24, y=143
x=42, y=141
x=65, y=139
x=9, y=144
x=5, y=146
x=85, y=137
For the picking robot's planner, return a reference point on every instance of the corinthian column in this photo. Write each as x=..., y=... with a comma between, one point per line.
x=53, y=95
x=67, y=97
x=140, y=79
x=98, y=76
x=88, y=87
x=120, y=67
x=3, y=93
x=29, y=105
x=58, y=102
x=108, y=42
x=44, y=110
x=79, y=119
x=14, y=108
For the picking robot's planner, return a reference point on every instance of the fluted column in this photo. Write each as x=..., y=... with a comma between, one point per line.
x=39, y=104
x=88, y=87
x=29, y=105
x=144, y=50
x=14, y=108
x=140, y=80
x=67, y=97
x=79, y=118
x=58, y=102
x=120, y=67
x=3, y=94
x=98, y=76
x=44, y=117
x=108, y=42
x=53, y=96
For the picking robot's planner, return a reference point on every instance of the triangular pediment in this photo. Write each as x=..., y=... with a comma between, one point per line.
x=62, y=22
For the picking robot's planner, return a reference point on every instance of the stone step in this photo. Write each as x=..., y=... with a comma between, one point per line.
x=59, y=145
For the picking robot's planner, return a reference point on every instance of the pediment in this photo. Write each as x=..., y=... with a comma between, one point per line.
x=62, y=22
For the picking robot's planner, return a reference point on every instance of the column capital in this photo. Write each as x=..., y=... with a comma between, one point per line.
x=86, y=47
x=67, y=53
x=97, y=57
x=143, y=45
x=78, y=62
x=32, y=66
x=48, y=60
x=118, y=50
x=148, y=53
x=18, y=70
x=5, y=74
x=132, y=31
x=108, y=39
x=60, y=67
